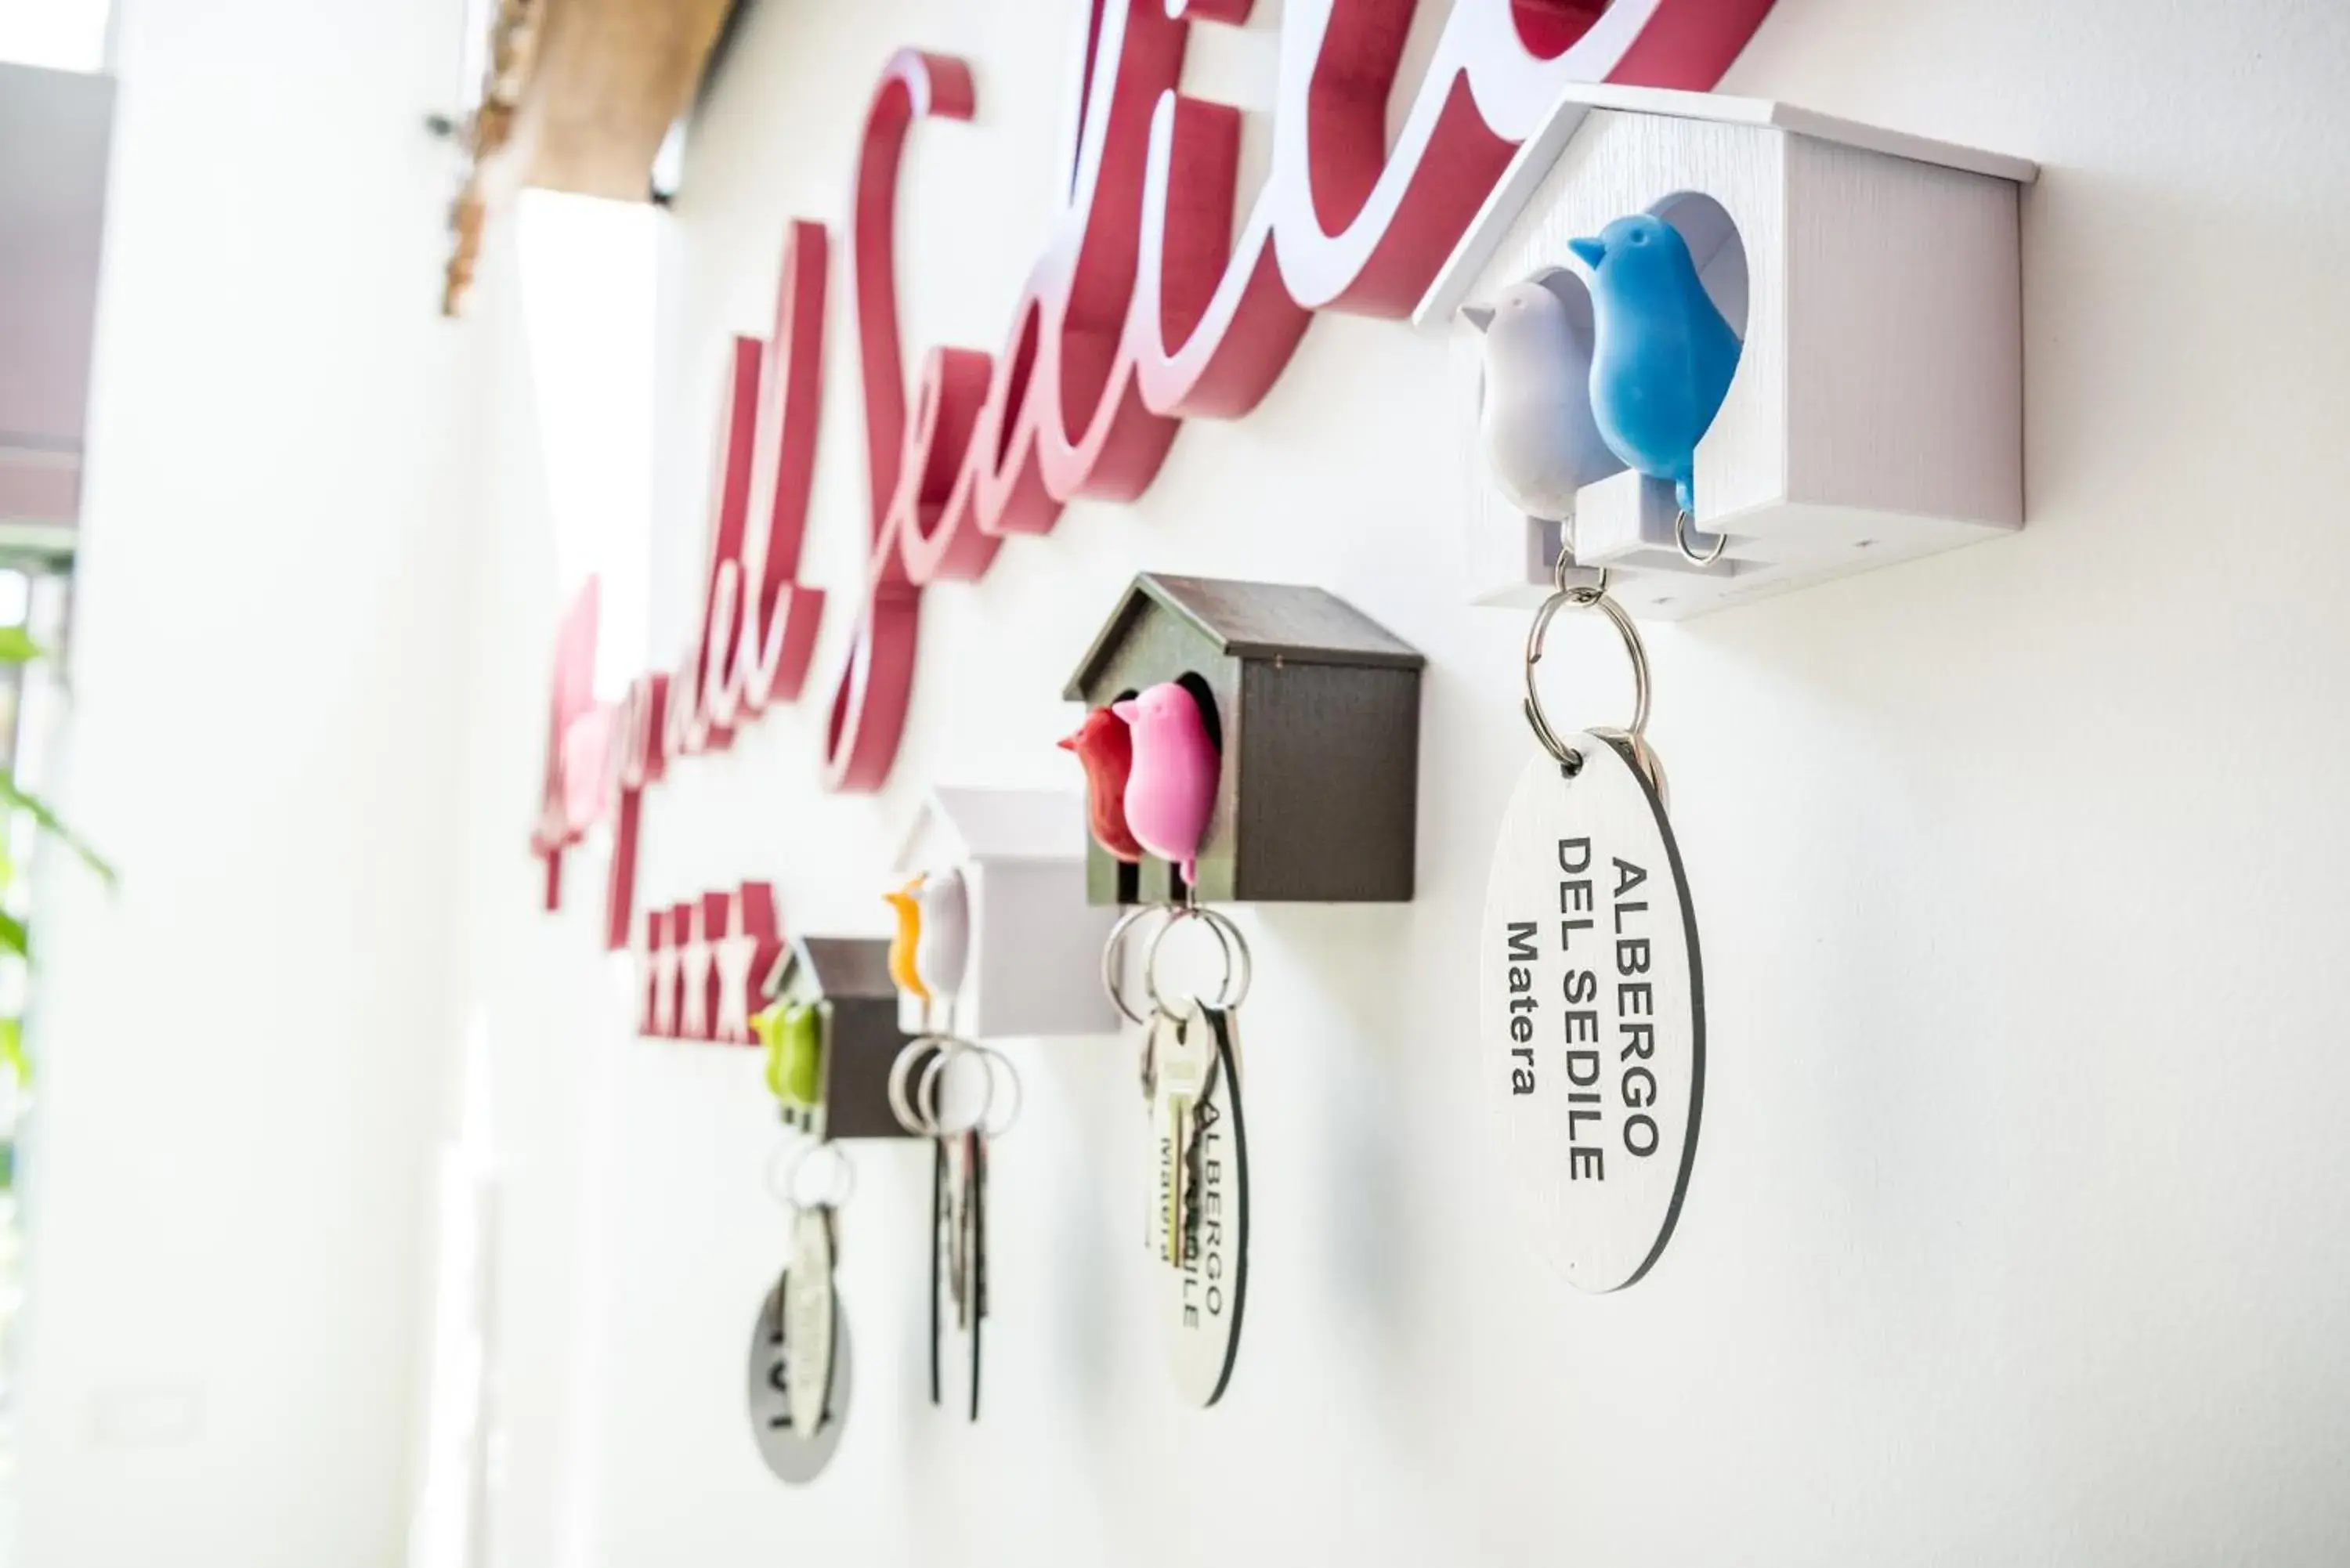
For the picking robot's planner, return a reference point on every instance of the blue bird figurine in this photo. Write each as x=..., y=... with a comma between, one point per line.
x=1661, y=355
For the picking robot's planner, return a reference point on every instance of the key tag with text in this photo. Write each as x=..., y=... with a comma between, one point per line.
x=1197, y=1227
x=1591, y=1000
x=799, y=1368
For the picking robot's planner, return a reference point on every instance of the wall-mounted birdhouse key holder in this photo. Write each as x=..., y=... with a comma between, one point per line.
x=1712, y=349
x=960, y=1095
x=1591, y=1005
x=993, y=940
x=1724, y=348
x=1244, y=743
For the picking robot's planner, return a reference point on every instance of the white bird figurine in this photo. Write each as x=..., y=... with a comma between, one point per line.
x=943, y=946
x=1535, y=422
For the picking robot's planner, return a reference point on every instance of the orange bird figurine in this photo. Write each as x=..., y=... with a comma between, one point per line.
x=1105, y=746
x=903, y=945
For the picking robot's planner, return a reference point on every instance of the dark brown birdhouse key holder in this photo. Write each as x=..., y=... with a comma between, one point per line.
x=1243, y=742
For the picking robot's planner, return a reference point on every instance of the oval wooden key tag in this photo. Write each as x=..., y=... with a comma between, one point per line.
x=1592, y=1009
x=1198, y=1228
x=813, y=1315
x=792, y=1453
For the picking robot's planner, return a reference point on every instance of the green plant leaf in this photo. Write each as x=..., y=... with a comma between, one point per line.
x=17, y=647
x=12, y=934
x=39, y=809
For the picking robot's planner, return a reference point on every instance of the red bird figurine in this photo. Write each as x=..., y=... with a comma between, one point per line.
x=1106, y=747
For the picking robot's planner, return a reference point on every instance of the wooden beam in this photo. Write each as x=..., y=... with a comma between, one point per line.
x=579, y=95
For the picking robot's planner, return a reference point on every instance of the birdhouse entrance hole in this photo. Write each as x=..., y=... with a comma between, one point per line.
x=1129, y=874
x=1706, y=226
x=1191, y=681
x=1196, y=684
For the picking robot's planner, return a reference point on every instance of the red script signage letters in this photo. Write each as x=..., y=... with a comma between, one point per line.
x=1151, y=303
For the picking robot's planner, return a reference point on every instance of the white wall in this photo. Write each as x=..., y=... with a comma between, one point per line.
x=2016, y=1233
x=242, y=1051
x=53, y=162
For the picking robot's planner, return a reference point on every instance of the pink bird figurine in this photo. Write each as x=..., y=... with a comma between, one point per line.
x=1172, y=791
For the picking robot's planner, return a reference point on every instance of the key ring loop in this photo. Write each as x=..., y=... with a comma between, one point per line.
x=1113, y=961
x=1595, y=597
x=793, y=1158
x=1239, y=966
x=991, y=1124
x=1000, y=1074
x=901, y=1104
x=1681, y=542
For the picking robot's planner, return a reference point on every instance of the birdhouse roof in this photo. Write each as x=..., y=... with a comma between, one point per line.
x=836, y=966
x=1539, y=151
x=955, y=826
x=1251, y=621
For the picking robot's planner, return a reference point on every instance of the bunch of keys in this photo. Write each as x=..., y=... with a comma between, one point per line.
x=799, y=1348
x=960, y=1094
x=1197, y=1228
x=1591, y=996
x=934, y=1093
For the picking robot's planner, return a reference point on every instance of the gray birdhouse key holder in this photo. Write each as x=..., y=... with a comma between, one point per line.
x=1241, y=742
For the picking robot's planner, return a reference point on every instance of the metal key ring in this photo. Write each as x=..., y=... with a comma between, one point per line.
x=836, y=1193
x=1596, y=598
x=1113, y=962
x=1239, y=966
x=989, y=1123
x=1681, y=542
x=901, y=1104
x=778, y=1169
x=992, y=1125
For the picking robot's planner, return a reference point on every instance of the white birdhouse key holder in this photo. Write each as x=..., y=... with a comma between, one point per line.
x=962, y=1096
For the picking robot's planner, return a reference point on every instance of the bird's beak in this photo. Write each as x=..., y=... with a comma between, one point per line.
x=1589, y=252
x=1125, y=712
x=1067, y=742
x=1480, y=317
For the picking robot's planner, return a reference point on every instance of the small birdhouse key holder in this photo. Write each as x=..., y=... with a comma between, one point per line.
x=1243, y=742
x=958, y=1094
x=1160, y=802
x=1592, y=1005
